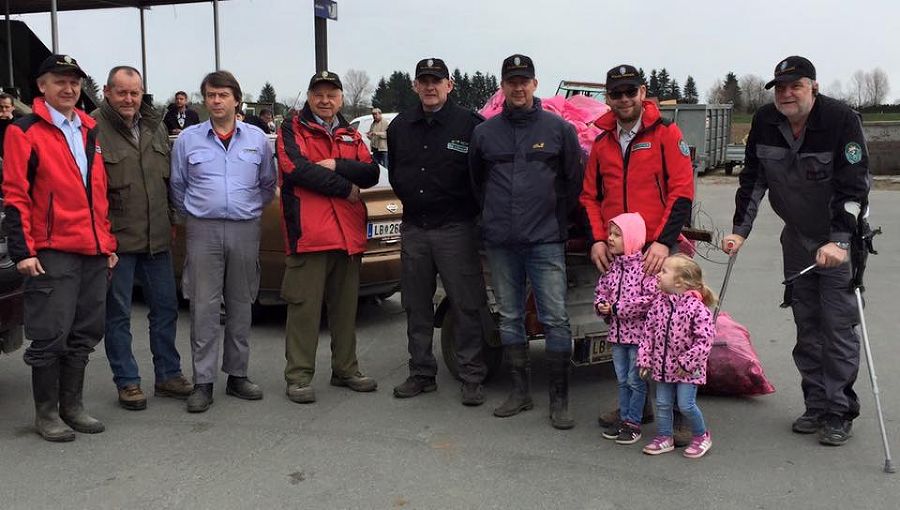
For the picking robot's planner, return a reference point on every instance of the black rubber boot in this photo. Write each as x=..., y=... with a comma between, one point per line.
x=559, y=390
x=71, y=387
x=520, y=369
x=45, y=385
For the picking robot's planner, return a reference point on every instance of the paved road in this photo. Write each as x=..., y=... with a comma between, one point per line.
x=366, y=451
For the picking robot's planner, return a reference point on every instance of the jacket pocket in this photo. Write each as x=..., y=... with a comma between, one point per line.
x=816, y=165
x=200, y=156
x=42, y=321
x=662, y=198
x=115, y=175
x=50, y=217
x=118, y=196
x=162, y=152
x=292, y=281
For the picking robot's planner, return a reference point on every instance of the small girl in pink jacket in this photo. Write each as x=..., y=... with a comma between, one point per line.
x=678, y=336
x=623, y=297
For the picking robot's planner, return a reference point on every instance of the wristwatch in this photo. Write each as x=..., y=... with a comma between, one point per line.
x=842, y=245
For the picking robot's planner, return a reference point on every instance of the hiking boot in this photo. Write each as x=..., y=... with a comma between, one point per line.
x=300, y=393
x=132, y=398
x=659, y=444
x=836, y=430
x=559, y=390
x=45, y=385
x=176, y=387
x=629, y=434
x=242, y=387
x=699, y=446
x=472, y=394
x=809, y=423
x=612, y=431
x=71, y=391
x=201, y=398
x=415, y=385
x=356, y=382
x=609, y=419
x=520, y=369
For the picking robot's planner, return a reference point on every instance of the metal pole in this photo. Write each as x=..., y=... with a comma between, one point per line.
x=216, y=30
x=54, y=30
x=321, y=37
x=143, y=50
x=9, y=52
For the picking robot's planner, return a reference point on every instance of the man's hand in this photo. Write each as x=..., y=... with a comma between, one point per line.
x=654, y=257
x=830, y=255
x=644, y=373
x=30, y=267
x=353, y=197
x=112, y=260
x=327, y=163
x=600, y=255
x=680, y=372
x=603, y=308
x=732, y=243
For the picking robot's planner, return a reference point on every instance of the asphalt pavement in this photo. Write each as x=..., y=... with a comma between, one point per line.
x=371, y=451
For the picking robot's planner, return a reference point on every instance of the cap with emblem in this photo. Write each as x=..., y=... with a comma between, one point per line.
x=792, y=69
x=60, y=64
x=325, y=77
x=517, y=65
x=622, y=75
x=432, y=67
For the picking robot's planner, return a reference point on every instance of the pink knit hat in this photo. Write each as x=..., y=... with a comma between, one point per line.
x=634, y=231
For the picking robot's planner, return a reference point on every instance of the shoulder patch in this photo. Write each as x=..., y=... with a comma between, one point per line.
x=665, y=121
x=853, y=152
x=683, y=147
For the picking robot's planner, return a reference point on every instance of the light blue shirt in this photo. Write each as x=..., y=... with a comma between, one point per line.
x=71, y=129
x=212, y=182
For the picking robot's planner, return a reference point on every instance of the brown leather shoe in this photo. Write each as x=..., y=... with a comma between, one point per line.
x=177, y=387
x=356, y=382
x=132, y=398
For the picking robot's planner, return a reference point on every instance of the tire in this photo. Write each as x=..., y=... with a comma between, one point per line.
x=493, y=354
x=11, y=339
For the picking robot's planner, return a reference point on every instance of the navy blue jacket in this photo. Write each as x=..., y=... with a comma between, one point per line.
x=527, y=169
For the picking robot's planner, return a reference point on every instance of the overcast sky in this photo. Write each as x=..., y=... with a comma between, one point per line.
x=568, y=39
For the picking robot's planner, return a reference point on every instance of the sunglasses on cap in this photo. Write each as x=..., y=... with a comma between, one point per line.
x=630, y=92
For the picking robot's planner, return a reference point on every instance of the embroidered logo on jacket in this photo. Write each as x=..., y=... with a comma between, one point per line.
x=641, y=146
x=539, y=145
x=458, y=146
x=853, y=153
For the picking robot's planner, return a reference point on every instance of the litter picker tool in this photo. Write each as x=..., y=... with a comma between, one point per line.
x=731, y=259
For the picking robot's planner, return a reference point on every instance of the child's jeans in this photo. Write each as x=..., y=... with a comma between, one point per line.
x=632, y=389
x=686, y=395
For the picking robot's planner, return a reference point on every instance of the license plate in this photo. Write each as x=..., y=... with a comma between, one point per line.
x=379, y=229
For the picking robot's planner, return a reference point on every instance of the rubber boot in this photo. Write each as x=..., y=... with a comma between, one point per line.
x=71, y=387
x=45, y=385
x=559, y=390
x=520, y=369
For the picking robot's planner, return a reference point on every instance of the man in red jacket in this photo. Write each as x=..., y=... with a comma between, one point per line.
x=322, y=164
x=639, y=164
x=54, y=185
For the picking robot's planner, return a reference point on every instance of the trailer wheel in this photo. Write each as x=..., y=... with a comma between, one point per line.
x=492, y=352
x=729, y=168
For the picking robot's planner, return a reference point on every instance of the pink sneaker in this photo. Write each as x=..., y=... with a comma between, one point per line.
x=699, y=446
x=660, y=444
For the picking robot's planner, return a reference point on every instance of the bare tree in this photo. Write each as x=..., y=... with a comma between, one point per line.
x=836, y=90
x=357, y=92
x=857, y=88
x=754, y=91
x=716, y=93
x=877, y=86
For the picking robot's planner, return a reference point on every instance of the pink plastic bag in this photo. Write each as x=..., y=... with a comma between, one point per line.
x=734, y=368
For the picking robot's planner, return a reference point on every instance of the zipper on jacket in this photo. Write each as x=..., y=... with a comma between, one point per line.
x=666, y=339
x=50, y=219
x=618, y=297
x=659, y=188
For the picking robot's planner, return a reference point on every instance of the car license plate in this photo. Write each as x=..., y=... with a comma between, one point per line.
x=379, y=229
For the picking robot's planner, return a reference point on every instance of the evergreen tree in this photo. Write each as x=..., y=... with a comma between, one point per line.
x=663, y=83
x=732, y=91
x=267, y=94
x=92, y=90
x=395, y=94
x=653, y=86
x=641, y=74
x=690, y=91
x=674, y=91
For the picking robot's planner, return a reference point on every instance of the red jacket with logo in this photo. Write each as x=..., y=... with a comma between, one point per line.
x=316, y=213
x=655, y=178
x=46, y=203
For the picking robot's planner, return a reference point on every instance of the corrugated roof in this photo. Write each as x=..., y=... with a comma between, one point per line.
x=33, y=6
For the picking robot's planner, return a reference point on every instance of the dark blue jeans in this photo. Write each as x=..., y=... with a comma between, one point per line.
x=632, y=389
x=158, y=284
x=544, y=265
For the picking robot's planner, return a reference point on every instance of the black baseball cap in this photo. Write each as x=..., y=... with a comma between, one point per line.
x=325, y=76
x=517, y=65
x=432, y=67
x=622, y=75
x=792, y=69
x=60, y=64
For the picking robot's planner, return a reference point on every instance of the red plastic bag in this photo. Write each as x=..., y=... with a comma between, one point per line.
x=733, y=368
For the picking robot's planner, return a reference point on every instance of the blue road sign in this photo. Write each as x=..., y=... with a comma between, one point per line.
x=325, y=9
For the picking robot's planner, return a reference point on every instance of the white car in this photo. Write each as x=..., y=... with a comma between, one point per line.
x=362, y=124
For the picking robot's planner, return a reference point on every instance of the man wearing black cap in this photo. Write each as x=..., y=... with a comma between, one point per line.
x=810, y=152
x=526, y=165
x=639, y=164
x=428, y=148
x=54, y=185
x=323, y=164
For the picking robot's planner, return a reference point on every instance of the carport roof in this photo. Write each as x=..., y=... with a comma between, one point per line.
x=33, y=6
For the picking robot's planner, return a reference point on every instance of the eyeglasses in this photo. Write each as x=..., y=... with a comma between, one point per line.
x=627, y=92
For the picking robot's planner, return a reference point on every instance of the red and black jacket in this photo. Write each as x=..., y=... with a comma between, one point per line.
x=46, y=203
x=655, y=178
x=316, y=213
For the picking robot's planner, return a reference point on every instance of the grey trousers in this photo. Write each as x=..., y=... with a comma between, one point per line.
x=451, y=251
x=222, y=264
x=65, y=308
x=827, y=349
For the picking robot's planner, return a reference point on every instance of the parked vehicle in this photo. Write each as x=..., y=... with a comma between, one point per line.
x=362, y=124
x=11, y=315
x=704, y=126
x=380, y=271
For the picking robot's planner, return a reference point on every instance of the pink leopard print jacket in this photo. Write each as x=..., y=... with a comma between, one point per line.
x=630, y=291
x=678, y=334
